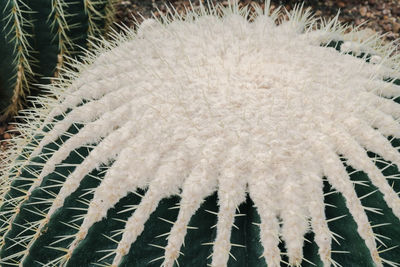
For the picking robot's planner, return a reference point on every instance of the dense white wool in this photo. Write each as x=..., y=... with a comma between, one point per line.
x=223, y=104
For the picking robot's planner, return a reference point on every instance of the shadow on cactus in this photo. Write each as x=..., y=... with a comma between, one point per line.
x=38, y=38
x=219, y=138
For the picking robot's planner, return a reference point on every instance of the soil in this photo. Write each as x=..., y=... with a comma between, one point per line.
x=381, y=16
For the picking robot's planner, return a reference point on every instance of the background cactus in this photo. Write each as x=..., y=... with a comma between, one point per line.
x=38, y=37
x=194, y=121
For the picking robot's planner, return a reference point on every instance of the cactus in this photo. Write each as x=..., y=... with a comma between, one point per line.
x=215, y=137
x=38, y=37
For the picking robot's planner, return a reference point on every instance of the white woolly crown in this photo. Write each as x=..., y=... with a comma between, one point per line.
x=212, y=102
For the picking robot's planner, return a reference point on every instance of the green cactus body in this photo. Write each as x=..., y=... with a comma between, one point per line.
x=38, y=37
x=16, y=31
x=113, y=171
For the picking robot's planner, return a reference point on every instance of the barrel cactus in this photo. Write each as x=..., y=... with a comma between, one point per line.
x=38, y=37
x=212, y=138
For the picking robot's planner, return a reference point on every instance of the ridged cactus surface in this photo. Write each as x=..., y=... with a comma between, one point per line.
x=37, y=38
x=219, y=138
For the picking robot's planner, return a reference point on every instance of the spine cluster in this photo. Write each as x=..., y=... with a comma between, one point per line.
x=38, y=38
x=215, y=138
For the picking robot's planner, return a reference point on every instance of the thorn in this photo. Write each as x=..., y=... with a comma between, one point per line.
x=336, y=218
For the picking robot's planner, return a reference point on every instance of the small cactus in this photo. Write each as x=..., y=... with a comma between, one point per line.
x=215, y=137
x=38, y=37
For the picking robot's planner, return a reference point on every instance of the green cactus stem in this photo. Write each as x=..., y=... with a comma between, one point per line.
x=38, y=37
x=213, y=138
